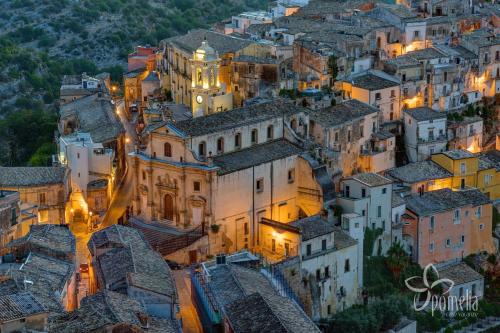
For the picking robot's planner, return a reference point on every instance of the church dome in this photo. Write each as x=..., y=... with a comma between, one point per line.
x=205, y=52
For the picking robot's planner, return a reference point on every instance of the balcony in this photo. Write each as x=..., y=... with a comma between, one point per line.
x=433, y=138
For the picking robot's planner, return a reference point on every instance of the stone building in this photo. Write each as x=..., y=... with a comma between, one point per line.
x=9, y=217
x=349, y=136
x=322, y=254
x=230, y=169
x=445, y=225
x=425, y=133
x=177, y=52
x=47, y=188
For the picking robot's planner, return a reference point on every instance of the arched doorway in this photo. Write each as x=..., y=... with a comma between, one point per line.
x=168, y=207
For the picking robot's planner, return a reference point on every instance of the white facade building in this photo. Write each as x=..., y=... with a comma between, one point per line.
x=370, y=196
x=425, y=133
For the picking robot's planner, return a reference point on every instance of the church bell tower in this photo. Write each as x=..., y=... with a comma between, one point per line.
x=205, y=80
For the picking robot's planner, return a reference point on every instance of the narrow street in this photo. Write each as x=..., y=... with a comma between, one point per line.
x=119, y=202
x=190, y=320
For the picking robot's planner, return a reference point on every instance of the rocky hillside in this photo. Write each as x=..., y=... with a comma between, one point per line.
x=41, y=40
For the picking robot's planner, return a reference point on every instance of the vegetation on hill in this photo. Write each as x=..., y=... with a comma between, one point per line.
x=41, y=40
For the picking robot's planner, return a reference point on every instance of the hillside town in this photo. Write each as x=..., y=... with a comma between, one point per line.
x=295, y=169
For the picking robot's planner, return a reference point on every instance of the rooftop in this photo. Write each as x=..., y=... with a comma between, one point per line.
x=426, y=54
x=313, y=226
x=373, y=82
x=341, y=113
x=107, y=309
x=425, y=113
x=223, y=44
x=51, y=237
x=94, y=115
x=255, y=155
x=459, y=273
x=402, y=61
x=131, y=262
x=18, y=306
x=458, y=154
x=419, y=171
x=237, y=117
x=31, y=176
x=489, y=160
x=371, y=179
x=268, y=313
x=444, y=200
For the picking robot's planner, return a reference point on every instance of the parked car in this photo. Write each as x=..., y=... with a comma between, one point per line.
x=173, y=265
x=84, y=268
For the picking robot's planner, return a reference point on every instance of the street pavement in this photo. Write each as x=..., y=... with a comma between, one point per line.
x=190, y=320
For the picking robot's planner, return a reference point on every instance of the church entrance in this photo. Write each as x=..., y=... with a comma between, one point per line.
x=168, y=207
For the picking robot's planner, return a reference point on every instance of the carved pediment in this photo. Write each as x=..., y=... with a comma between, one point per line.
x=166, y=181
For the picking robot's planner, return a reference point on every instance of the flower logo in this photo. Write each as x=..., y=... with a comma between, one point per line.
x=428, y=288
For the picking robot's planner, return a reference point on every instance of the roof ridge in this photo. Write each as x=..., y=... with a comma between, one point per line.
x=274, y=312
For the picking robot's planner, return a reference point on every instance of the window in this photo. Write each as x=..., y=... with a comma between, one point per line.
x=323, y=244
x=383, y=224
x=202, y=149
x=237, y=141
x=403, y=77
x=196, y=186
x=144, y=175
x=497, y=55
x=374, y=127
x=41, y=198
x=349, y=136
x=373, y=225
x=259, y=185
x=254, y=137
x=363, y=212
x=308, y=249
x=378, y=96
x=245, y=228
x=77, y=155
x=457, y=215
x=363, y=192
x=487, y=179
x=347, y=191
x=167, y=149
x=461, y=292
x=327, y=271
x=416, y=34
x=361, y=130
x=478, y=212
x=384, y=190
x=291, y=175
x=379, y=211
x=220, y=145
x=473, y=289
x=445, y=76
x=347, y=266
x=336, y=136
x=462, y=239
x=432, y=223
x=270, y=132
x=431, y=247
x=448, y=242
x=481, y=226
x=393, y=93
x=13, y=216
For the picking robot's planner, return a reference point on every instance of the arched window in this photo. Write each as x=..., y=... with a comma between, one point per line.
x=237, y=141
x=255, y=136
x=202, y=149
x=167, y=149
x=220, y=145
x=270, y=132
